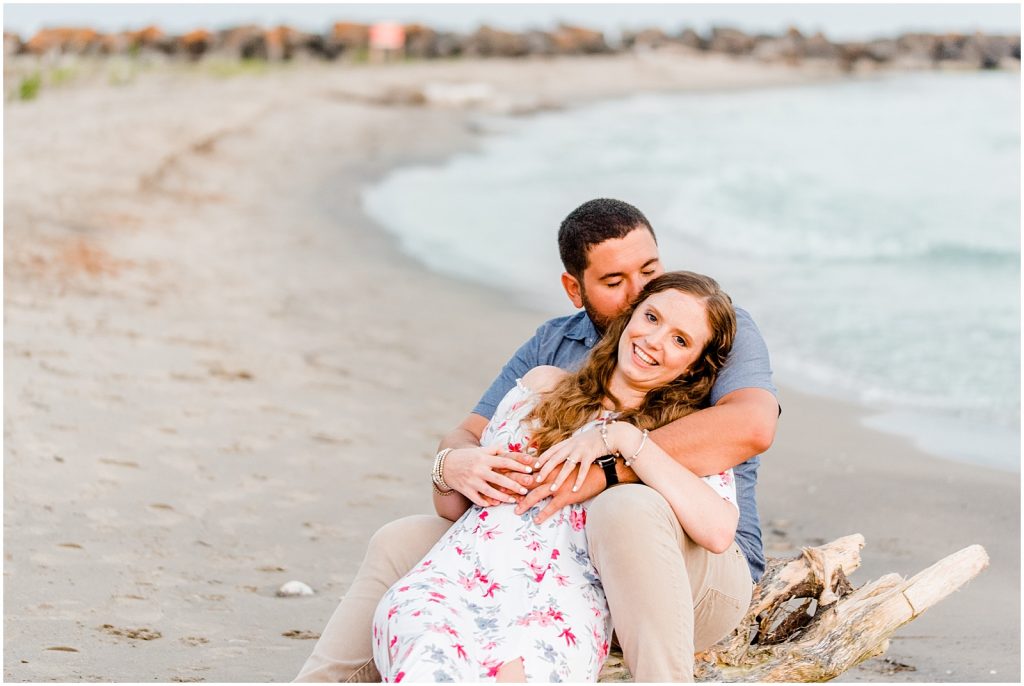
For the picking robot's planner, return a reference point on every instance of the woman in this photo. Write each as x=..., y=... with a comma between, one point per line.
x=502, y=598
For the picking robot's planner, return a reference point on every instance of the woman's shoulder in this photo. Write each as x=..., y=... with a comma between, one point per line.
x=542, y=379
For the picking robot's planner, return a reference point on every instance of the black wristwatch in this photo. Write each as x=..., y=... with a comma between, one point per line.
x=607, y=463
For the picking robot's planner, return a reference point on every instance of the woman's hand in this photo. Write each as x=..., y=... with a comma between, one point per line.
x=579, y=450
x=474, y=472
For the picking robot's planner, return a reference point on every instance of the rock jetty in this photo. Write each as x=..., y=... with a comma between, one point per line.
x=353, y=42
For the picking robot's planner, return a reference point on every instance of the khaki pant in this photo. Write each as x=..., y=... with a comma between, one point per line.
x=669, y=597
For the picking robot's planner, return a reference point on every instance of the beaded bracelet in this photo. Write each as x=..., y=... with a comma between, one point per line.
x=437, y=476
x=604, y=435
x=643, y=442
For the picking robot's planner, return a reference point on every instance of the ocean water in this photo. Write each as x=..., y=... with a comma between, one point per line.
x=872, y=227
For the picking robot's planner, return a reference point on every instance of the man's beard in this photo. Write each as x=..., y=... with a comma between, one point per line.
x=600, y=323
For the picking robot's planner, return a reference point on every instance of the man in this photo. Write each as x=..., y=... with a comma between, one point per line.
x=609, y=252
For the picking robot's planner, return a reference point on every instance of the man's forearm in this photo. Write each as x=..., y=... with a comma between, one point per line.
x=712, y=440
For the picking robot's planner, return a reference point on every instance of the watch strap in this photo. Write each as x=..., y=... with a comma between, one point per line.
x=607, y=463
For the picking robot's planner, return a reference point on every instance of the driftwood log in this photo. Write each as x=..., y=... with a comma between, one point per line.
x=807, y=623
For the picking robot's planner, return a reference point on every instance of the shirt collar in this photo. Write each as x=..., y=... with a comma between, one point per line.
x=582, y=329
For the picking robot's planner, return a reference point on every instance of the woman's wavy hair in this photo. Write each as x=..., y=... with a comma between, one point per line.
x=576, y=399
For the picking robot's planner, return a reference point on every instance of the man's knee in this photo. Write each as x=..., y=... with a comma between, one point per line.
x=623, y=512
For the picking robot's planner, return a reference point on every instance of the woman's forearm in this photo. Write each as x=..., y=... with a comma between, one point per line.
x=705, y=516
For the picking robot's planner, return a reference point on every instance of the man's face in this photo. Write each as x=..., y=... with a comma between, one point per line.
x=617, y=270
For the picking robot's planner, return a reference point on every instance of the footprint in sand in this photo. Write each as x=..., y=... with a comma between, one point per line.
x=141, y=634
x=300, y=634
x=194, y=640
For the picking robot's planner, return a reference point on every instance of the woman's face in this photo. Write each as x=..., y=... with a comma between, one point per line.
x=665, y=335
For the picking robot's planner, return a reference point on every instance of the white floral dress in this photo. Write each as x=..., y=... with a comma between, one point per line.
x=497, y=587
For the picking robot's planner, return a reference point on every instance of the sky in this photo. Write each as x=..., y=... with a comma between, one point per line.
x=838, y=21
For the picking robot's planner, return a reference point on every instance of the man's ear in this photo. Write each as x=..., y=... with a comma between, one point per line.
x=573, y=289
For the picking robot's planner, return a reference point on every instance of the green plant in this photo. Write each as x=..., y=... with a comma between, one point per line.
x=29, y=87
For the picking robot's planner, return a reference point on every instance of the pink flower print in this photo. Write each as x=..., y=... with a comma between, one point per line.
x=485, y=514
x=515, y=447
x=534, y=546
x=555, y=554
x=458, y=550
x=435, y=594
x=562, y=579
x=538, y=570
x=492, y=667
x=466, y=582
x=726, y=477
x=450, y=630
x=489, y=534
x=403, y=589
x=569, y=636
x=426, y=563
x=502, y=425
x=578, y=519
x=461, y=651
x=600, y=645
x=491, y=589
x=417, y=613
x=392, y=611
x=597, y=612
x=399, y=677
x=555, y=614
x=491, y=645
x=536, y=616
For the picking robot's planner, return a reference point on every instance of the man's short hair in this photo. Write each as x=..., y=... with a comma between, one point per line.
x=592, y=223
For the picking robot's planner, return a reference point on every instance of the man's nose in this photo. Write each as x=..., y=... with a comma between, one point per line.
x=635, y=286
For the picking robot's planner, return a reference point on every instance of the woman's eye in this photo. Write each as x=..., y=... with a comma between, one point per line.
x=680, y=341
x=648, y=273
x=651, y=318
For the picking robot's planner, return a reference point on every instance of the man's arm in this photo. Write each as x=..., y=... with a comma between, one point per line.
x=714, y=439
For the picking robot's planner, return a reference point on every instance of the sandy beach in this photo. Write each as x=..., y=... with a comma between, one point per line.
x=220, y=375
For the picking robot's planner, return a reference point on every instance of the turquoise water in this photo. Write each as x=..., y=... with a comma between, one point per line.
x=871, y=227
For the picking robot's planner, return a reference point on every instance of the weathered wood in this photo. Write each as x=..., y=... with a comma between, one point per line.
x=807, y=623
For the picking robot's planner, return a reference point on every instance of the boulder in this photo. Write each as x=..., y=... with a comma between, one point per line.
x=12, y=44
x=193, y=44
x=646, y=39
x=730, y=41
x=350, y=36
x=490, y=42
x=540, y=43
x=77, y=41
x=920, y=47
x=243, y=42
x=691, y=39
x=575, y=40
x=819, y=47
x=882, y=50
x=788, y=48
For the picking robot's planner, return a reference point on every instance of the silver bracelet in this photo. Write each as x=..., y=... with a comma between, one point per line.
x=437, y=474
x=643, y=442
x=604, y=435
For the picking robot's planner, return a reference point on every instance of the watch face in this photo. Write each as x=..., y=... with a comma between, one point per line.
x=604, y=460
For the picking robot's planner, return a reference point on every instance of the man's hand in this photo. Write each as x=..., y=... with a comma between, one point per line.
x=593, y=483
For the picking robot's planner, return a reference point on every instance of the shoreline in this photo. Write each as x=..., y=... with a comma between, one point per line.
x=225, y=400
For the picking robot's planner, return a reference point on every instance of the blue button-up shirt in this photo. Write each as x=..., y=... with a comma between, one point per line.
x=565, y=342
